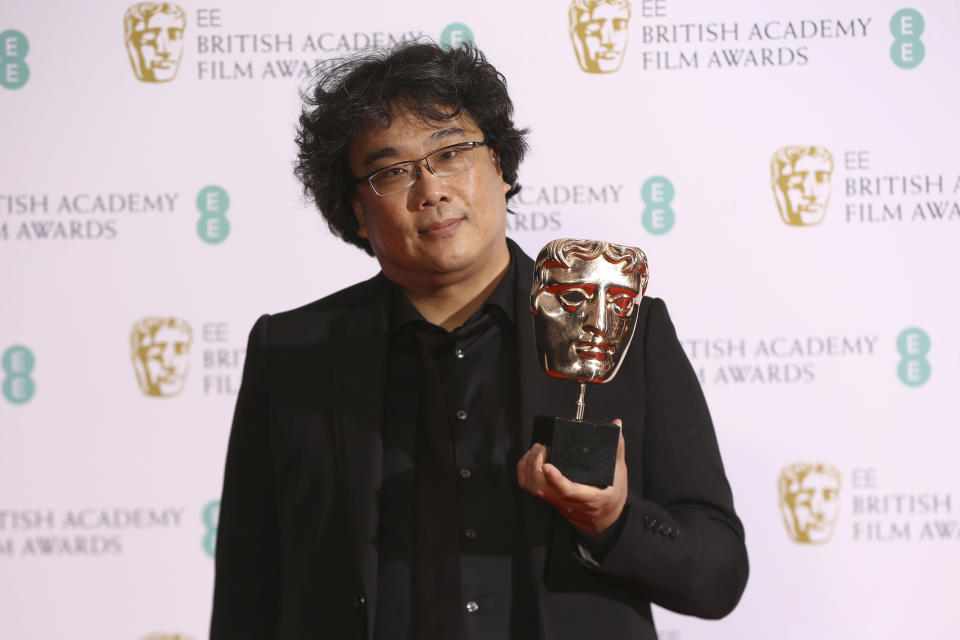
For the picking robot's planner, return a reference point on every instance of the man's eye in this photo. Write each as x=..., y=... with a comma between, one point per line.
x=393, y=172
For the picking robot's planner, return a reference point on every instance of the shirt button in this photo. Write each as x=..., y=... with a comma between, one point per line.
x=459, y=353
x=471, y=534
x=472, y=606
x=465, y=473
x=461, y=415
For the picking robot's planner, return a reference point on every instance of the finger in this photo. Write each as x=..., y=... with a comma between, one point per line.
x=538, y=455
x=533, y=470
x=522, y=472
x=566, y=488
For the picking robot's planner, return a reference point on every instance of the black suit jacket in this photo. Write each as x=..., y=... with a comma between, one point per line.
x=296, y=549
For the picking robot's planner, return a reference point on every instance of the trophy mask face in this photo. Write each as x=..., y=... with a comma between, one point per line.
x=161, y=355
x=810, y=501
x=584, y=303
x=802, y=183
x=154, y=40
x=598, y=31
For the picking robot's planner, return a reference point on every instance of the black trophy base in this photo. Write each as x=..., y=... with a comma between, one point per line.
x=584, y=452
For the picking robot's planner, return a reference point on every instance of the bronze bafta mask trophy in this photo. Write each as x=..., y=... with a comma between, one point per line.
x=584, y=301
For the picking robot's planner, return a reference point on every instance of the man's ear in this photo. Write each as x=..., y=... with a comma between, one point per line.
x=358, y=213
x=496, y=165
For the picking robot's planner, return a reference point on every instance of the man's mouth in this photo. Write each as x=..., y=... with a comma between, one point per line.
x=441, y=228
x=592, y=350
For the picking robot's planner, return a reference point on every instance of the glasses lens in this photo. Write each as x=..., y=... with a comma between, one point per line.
x=452, y=160
x=394, y=179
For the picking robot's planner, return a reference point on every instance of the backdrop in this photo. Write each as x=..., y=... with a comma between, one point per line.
x=789, y=168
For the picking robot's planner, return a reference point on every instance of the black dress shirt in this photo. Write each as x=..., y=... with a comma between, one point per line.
x=479, y=381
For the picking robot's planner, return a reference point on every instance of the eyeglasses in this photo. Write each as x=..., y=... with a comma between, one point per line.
x=445, y=161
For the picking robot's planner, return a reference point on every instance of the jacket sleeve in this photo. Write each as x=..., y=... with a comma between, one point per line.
x=679, y=543
x=246, y=585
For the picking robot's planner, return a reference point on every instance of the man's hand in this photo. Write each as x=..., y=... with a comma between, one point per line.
x=590, y=509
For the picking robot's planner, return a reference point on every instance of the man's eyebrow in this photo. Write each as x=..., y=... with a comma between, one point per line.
x=446, y=132
x=373, y=156
x=392, y=152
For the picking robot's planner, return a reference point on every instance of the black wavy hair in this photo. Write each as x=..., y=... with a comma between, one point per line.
x=350, y=95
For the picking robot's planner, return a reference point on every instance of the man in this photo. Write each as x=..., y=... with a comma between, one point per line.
x=801, y=180
x=598, y=31
x=383, y=434
x=809, y=501
x=160, y=350
x=153, y=33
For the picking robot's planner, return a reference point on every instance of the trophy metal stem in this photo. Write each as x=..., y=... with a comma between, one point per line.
x=581, y=403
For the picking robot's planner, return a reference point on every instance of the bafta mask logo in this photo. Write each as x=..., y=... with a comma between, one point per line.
x=801, y=179
x=153, y=33
x=160, y=350
x=598, y=31
x=809, y=501
x=584, y=301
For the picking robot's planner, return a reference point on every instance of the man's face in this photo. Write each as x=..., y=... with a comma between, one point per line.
x=159, y=44
x=603, y=34
x=584, y=319
x=165, y=358
x=807, y=190
x=440, y=230
x=814, y=502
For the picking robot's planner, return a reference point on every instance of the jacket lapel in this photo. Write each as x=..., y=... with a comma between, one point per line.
x=539, y=395
x=360, y=347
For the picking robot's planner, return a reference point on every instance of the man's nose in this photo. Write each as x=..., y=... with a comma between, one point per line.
x=429, y=190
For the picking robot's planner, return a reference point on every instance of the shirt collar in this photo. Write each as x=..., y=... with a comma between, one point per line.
x=402, y=311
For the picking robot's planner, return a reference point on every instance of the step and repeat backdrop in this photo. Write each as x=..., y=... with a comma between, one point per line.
x=790, y=168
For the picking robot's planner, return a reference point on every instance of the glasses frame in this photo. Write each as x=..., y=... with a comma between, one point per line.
x=416, y=163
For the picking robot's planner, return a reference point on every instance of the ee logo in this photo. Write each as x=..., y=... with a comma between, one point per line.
x=907, y=50
x=913, y=345
x=456, y=34
x=657, y=193
x=18, y=386
x=14, y=72
x=213, y=226
x=211, y=516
